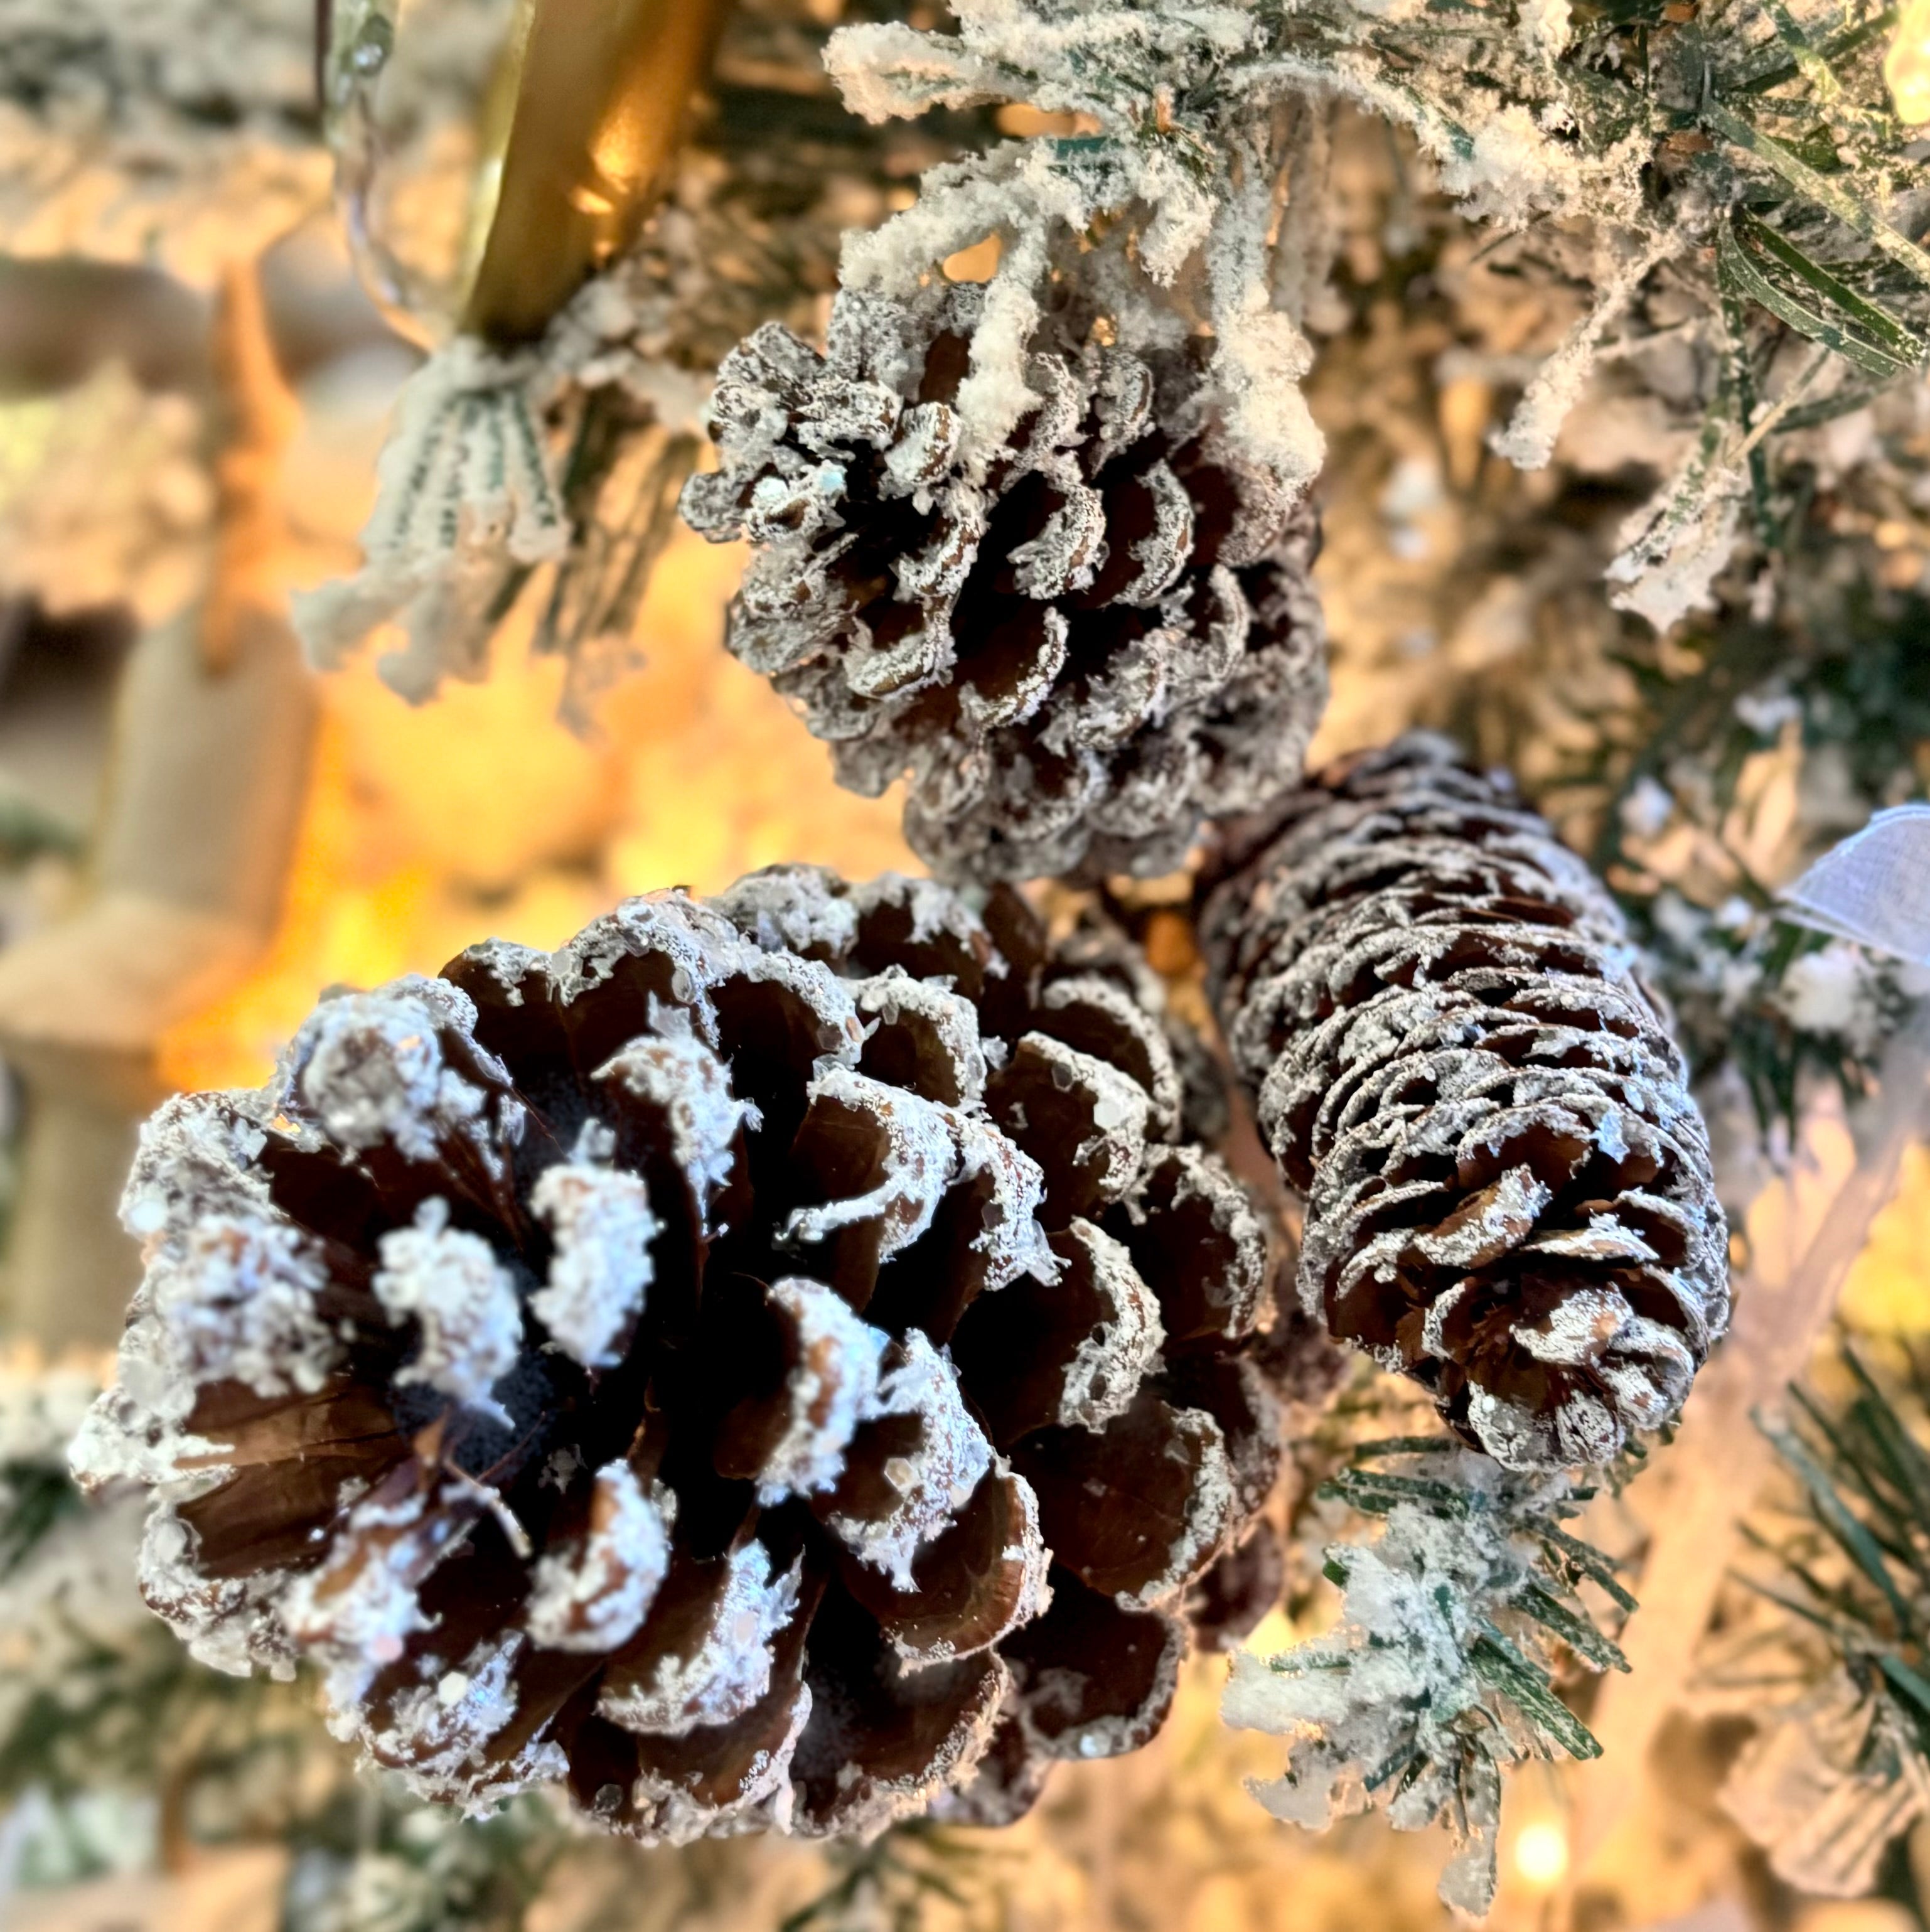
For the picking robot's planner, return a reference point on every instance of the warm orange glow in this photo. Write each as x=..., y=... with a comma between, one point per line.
x=479, y=815
x=1541, y=1853
x=1906, y=66
x=1888, y=1292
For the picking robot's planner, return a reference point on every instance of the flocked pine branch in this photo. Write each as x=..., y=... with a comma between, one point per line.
x=27, y=832
x=402, y=1868
x=1442, y=1674
x=1742, y=166
x=1841, y=1766
x=182, y=132
x=1734, y=184
x=92, y=1697
x=1839, y=674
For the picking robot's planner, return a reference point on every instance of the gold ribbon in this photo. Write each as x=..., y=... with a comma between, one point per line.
x=601, y=89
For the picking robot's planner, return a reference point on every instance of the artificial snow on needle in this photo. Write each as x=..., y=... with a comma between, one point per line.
x=1874, y=887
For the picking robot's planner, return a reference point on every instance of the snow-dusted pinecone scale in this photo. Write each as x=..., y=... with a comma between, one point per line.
x=773, y=1363
x=1079, y=644
x=1508, y=1189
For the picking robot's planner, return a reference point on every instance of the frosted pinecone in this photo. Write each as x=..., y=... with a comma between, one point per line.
x=1508, y=1189
x=1079, y=645
x=759, y=1364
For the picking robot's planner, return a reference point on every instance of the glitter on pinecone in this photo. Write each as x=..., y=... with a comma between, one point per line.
x=772, y=1363
x=1080, y=644
x=1509, y=1189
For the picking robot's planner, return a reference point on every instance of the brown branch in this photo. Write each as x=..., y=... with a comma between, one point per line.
x=255, y=418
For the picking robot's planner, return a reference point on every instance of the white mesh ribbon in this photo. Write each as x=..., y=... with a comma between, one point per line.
x=1874, y=887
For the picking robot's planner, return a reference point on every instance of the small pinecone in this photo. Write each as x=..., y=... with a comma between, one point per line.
x=1509, y=1192
x=771, y=1363
x=1079, y=648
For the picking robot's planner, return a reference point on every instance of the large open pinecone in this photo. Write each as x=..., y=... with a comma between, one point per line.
x=775, y=1361
x=1509, y=1192
x=1079, y=645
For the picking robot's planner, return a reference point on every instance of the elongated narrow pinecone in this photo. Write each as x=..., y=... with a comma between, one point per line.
x=772, y=1362
x=1508, y=1189
x=1079, y=645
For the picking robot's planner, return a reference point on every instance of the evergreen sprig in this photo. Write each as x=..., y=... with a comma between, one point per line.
x=371, y=1863
x=92, y=1703
x=1834, y=1670
x=26, y=832
x=1856, y=1570
x=1847, y=664
x=34, y=1499
x=1526, y=1516
x=1445, y=1673
x=895, y=1880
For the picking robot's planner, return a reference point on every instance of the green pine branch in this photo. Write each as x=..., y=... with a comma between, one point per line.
x=26, y=832
x=1846, y=662
x=1461, y=1620
x=900, y=1877
x=1854, y=1568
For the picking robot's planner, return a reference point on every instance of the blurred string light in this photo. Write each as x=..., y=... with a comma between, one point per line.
x=1907, y=67
x=1541, y=1854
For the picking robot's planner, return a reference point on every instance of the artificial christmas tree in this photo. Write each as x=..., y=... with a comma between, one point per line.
x=1042, y=544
